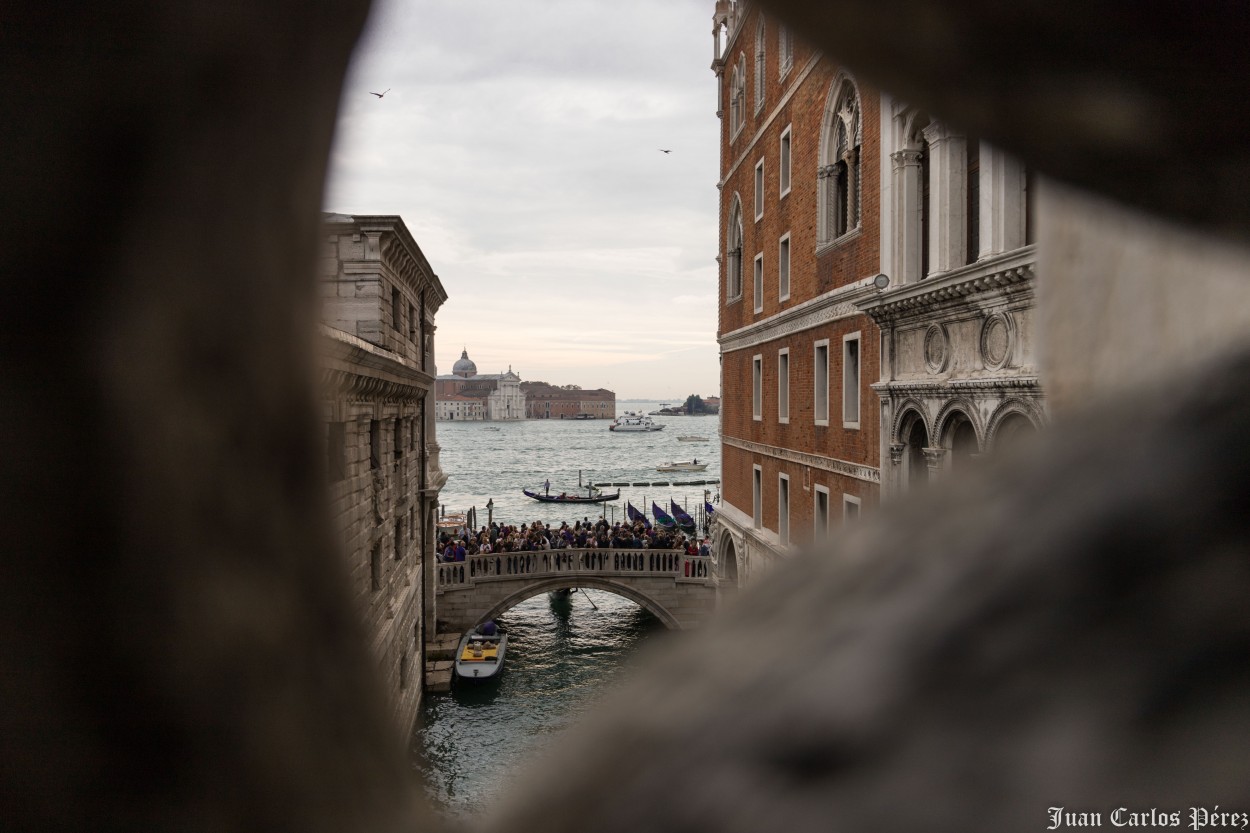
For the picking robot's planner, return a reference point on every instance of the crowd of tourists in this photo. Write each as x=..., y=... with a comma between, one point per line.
x=582, y=534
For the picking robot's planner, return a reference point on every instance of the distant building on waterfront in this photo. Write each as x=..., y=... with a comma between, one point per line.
x=379, y=300
x=544, y=401
x=457, y=408
x=503, y=396
x=875, y=294
x=499, y=394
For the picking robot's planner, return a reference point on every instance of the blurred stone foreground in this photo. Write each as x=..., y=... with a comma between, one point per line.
x=1070, y=630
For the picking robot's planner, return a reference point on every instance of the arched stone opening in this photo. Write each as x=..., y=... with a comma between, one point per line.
x=728, y=557
x=915, y=438
x=959, y=438
x=589, y=583
x=1013, y=429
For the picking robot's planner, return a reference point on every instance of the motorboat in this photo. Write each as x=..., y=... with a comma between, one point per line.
x=631, y=422
x=565, y=497
x=479, y=656
x=691, y=438
x=684, y=465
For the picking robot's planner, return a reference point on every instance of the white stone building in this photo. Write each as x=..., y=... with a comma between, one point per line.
x=958, y=358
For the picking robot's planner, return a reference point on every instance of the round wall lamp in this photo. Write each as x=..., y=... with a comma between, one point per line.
x=881, y=281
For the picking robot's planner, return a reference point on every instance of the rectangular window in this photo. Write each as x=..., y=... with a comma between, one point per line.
x=399, y=438
x=783, y=509
x=759, y=189
x=336, y=451
x=850, y=508
x=850, y=381
x=399, y=539
x=396, y=311
x=757, y=387
x=783, y=385
x=375, y=443
x=820, y=514
x=783, y=268
x=757, y=497
x=820, y=372
x=783, y=172
x=411, y=523
x=759, y=282
x=375, y=567
x=403, y=671
x=412, y=323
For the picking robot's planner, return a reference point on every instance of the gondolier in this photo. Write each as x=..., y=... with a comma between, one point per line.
x=547, y=487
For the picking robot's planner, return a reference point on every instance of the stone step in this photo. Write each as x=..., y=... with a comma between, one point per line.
x=442, y=647
x=438, y=676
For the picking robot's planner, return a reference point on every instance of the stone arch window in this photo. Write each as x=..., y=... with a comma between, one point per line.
x=839, y=174
x=913, y=439
x=733, y=253
x=760, y=56
x=959, y=439
x=737, y=97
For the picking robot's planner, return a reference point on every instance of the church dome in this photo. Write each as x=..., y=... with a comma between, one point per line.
x=464, y=366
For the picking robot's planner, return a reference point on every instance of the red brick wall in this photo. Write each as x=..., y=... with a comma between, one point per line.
x=854, y=257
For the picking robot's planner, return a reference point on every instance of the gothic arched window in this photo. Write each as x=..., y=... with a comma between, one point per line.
x=759, y=64
x=733, y=253
x=839, y=172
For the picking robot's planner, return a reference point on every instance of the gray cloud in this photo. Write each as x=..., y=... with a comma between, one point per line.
x=520, y=144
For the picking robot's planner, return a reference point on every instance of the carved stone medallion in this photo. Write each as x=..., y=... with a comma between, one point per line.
x=936, y=349
x=998, y=339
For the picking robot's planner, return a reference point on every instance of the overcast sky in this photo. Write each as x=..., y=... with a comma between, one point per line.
x=520, y=143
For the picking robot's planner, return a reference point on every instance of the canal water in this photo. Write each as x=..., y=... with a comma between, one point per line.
x=562, y=656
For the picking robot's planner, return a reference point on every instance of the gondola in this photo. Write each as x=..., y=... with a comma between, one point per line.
x=567, y=498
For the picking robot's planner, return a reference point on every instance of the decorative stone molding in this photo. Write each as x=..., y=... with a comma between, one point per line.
x=933, y=457
x=905, y=159
x=998, y=340
x=832, y=306
x=843, y=467
x=896, y=452
x=937, y=351
x=1014, y=272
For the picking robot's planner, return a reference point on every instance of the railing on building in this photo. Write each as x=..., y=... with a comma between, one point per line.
x=600, y=563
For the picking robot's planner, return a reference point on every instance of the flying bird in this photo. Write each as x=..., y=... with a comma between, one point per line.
x=662, y=150
x=379, y=95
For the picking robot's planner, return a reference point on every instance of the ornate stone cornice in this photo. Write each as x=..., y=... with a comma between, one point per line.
x=354, y=369
x=832, y=306
x=815, y=461
x=1013, y=272
x=1028, y=384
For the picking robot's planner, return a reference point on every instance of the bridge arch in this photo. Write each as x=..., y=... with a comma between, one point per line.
x=618, y=588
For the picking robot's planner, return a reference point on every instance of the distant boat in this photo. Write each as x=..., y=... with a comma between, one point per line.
x=631, y=422
x=480, y=654
x=565, y=497
x=692, y=438
x=684, y=465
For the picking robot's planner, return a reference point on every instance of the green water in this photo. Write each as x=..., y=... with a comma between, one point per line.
x=561, y=658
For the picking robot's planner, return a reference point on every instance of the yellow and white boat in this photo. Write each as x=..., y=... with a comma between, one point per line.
x=480, y=654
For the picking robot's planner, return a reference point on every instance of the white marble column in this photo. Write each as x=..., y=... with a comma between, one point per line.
x=907, y=215
x=1002, y=202
x=948, y=199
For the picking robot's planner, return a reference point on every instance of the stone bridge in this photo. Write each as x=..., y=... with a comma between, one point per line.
x=679, y=589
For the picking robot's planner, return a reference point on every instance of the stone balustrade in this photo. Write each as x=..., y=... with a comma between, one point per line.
x=543, y=564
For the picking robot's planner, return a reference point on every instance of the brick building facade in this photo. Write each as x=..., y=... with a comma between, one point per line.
x=877, y=278
x=544, y=401
x=799, y=248
x=380, y=296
